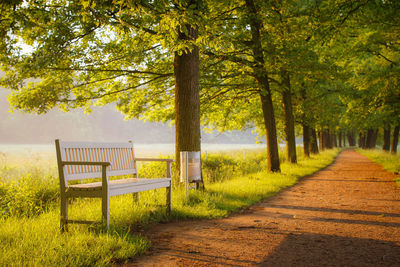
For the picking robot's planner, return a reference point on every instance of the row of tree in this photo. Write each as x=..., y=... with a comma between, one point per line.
x=323, y=69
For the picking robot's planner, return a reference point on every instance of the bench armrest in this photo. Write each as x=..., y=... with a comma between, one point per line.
x=168, y=161
x=104, y=165
x=85, y=163
x=154, y=159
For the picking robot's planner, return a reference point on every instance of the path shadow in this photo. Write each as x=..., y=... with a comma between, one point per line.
x=352, y=180
x=307, y=249
x=348, y=211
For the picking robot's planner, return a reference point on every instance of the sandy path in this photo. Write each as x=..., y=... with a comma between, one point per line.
x=345, y=215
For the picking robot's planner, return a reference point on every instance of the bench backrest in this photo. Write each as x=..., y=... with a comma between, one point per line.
x=120, y=155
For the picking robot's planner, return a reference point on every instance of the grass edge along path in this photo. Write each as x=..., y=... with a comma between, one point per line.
x=388, y=161
x=36, y=241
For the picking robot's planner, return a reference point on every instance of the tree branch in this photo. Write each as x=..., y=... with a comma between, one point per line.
x=112, y=70
x=110, y=93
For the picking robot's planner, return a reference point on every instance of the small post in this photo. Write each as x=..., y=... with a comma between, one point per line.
x=190, y=169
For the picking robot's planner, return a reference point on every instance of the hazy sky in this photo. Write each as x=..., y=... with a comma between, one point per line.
x=103, y=124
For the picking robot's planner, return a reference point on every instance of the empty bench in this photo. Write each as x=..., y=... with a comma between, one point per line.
x=86, y=160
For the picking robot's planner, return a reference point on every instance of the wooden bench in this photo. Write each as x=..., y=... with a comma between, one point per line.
x=86, y=160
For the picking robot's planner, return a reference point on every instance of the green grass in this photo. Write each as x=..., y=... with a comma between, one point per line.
x=30, y=236
x=388, y=161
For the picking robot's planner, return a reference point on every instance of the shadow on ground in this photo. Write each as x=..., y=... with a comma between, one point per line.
x=328, y=250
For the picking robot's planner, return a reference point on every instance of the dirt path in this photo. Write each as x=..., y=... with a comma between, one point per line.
x=345, y=215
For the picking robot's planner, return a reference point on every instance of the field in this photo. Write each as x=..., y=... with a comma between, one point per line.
x=29, y=214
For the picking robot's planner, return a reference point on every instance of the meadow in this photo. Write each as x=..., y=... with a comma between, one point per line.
x=29, y=206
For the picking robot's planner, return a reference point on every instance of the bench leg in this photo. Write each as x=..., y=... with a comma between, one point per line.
x=64, y=214
x=169, y=198
x=105, y=210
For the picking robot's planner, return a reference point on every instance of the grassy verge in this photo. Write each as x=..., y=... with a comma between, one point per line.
x=30, y=235
x=388, y=161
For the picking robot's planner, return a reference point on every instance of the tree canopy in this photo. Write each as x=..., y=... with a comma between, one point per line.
x=331, y=67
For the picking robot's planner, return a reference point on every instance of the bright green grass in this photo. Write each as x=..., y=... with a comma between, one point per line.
x=389, y=161
x=34, y=239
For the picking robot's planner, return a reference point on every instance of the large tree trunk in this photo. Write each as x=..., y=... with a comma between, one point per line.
x=265, y=92
x=395, y=140
x=289, y=119
x=340, y=138
x=187, y=98
x=270, y=132
x=314, y=143
x=306, y=140
x=386, y=138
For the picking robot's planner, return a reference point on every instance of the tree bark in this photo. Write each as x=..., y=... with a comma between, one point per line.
x=370, y=139
x=351, y=138
x=361, y=140
x=187, y=98
x=320, y=141
x=307, y=143
x=334, y=140
x=326, y=139
x=395, y=140
x=344, y=139
x=289, y=119
x=306, y=140
x=386, y=138
x=261, y=76
x=340, y=138
x=314, y=143
x=374, y=138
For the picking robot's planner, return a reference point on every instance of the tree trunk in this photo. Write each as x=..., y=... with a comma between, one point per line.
x=386, y=138
x=270, y=132
x=314, y=143
x=289, y=119
x=326, y=139
x=329, y=140
x=395, y=140
x=351, y=138
x=334, y=140
x=320, y=141
x=344, y=139
x=261, y=76
x=340, y=138
x=187, y=98
x=370, y=139
x=361, y=140
x=374, y=138
x=306, y=140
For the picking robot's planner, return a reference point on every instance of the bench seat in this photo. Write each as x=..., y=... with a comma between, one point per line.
x=121, y=186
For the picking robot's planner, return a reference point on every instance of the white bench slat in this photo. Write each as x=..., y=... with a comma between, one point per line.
x=92, y=175
x=94, y=144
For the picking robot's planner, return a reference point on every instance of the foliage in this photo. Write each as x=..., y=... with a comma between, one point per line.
x=78, y=53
